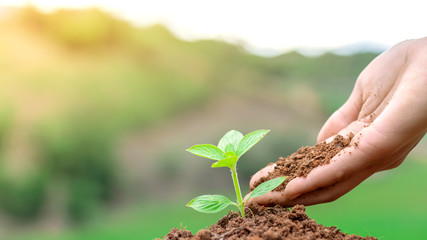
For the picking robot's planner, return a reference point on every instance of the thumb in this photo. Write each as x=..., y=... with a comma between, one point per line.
x=269, y=198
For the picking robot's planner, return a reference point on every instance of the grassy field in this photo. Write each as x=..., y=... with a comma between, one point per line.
x=389, y=206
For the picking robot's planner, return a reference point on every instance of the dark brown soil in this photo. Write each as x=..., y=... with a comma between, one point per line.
x=265, y=223
x=300, y=163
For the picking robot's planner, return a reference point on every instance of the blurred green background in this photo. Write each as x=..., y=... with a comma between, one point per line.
x=95, y=115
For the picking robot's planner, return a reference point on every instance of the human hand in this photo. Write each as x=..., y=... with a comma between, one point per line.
x=387, y=112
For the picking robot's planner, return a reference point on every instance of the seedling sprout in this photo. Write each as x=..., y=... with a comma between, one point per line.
x=230, y=148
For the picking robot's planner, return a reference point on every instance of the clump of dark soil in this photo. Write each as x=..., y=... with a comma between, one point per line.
x=268, y=223
x=305, y=159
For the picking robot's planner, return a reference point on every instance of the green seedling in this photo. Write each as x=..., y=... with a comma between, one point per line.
x=230, y=148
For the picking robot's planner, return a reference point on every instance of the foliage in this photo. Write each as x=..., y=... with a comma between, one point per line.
x=80, y=157
x=230, y=148
x=23, y=199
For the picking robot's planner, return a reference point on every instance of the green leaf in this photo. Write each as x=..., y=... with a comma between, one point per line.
x=230, y=154
x=234, y=137
x=209, y=203
x=230, y=148
x=250, y=140
x=266, y=187
x=208, y=151
x=226, y=162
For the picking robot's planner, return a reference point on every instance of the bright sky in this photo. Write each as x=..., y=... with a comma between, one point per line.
x=270, y=26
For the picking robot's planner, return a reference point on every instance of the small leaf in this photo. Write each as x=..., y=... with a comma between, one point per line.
x=230, y=148
x=230, y=154
x=226, y=162
x=250, y=140
x=266, y=187
x=209, y=203
x=234, y=137
x=208, y=151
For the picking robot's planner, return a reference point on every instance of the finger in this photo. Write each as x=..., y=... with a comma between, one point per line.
x=354, y=127
x=342, y=165
x=342, y=117
x=261, y=173
x=319, y=177
x=322, y=195
x=269, y=198
x=329, y=193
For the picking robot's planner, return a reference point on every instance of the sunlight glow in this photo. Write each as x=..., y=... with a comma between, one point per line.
x=269, y=26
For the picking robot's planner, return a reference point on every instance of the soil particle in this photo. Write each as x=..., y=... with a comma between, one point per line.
x=265, y=223
x=300, y=163
x=176, y=234
x=203, y=234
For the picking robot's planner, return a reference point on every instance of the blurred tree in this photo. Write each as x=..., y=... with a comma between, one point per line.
x=23, y=199
x=80, y=155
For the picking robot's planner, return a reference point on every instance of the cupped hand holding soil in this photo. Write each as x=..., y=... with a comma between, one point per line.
x=299, y=165
x=387, y=111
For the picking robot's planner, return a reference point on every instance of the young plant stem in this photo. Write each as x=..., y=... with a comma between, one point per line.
x=238, y=193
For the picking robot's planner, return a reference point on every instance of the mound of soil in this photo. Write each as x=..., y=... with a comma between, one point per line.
x=268, y=223
x=277, y=223
x=305, y=159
